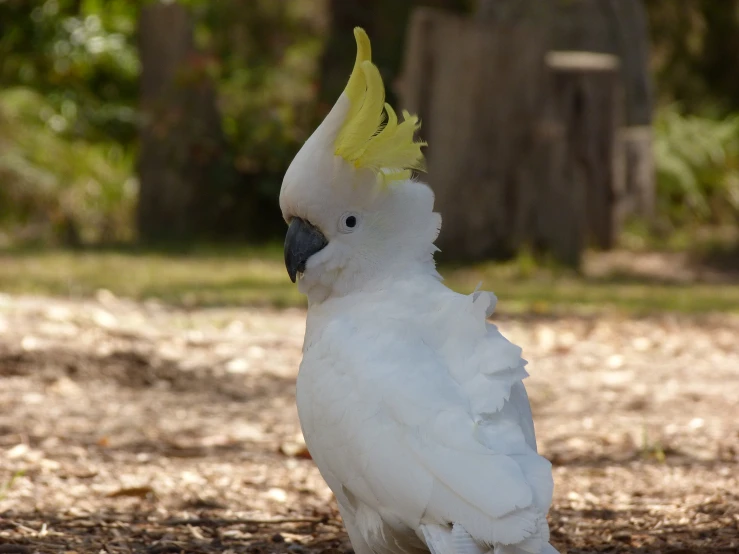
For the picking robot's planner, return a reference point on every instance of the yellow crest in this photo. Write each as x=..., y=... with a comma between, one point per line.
x=371, y=136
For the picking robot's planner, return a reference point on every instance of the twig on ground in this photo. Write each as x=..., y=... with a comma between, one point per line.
x=245, y=521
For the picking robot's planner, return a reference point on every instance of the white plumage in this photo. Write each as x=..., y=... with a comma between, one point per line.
x=414, y=411
x=411, y=404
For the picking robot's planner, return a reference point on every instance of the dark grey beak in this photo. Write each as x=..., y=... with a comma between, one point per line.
x=301, y=242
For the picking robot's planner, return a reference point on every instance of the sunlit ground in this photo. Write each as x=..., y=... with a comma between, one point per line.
x=138, y=427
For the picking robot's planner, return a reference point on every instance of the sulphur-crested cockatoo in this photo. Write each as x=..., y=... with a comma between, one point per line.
x=411, y=405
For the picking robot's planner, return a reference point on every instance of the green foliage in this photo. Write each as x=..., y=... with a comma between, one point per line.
x=70, y=73
x=73, y=69
x=59, y=186
x=263, y=57
x=8, y=485
x=80, y=54
x=69, y=94
x=692, y=46
x=67, y=119
x=697, y=168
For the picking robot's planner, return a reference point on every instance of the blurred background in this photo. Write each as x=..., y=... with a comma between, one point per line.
x=570, y=139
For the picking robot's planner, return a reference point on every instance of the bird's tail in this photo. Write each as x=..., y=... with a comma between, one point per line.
x=511, y=549
x=442, y=540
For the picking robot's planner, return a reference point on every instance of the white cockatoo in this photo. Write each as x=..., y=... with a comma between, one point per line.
x=411, y=404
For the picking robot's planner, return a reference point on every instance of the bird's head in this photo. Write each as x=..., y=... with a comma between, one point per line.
x=355, y=215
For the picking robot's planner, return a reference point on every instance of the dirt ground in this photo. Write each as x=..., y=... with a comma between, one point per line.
x=130, y=427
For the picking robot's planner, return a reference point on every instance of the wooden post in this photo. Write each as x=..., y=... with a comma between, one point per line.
x=560, y=223
x=586, y=93
x=619, y=27
x=481, y=106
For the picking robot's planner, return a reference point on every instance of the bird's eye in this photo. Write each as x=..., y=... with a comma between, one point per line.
x=349, y=222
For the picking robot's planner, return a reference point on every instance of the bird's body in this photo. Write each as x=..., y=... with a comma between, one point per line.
x=414, y=411
x=411, y=404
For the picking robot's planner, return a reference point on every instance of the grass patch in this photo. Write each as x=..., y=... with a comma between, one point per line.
x=544, y=292
x=194, y=278
x=257, y=277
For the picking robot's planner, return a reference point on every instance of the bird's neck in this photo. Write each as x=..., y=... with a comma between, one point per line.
x=346, y=284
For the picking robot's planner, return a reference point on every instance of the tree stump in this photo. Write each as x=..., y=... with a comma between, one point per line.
x=586, y=96
x=481, y=109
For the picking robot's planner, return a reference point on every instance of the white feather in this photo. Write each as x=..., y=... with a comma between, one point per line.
x=438, y=539
x=388, y=409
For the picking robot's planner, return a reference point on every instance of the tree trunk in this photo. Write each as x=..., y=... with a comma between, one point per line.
x=482, y=112
x=385, y=21
x=419, y=66
x=513, y=11
x=183, y=165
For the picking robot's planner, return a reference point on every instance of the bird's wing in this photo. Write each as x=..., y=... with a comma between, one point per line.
x=430, y=432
